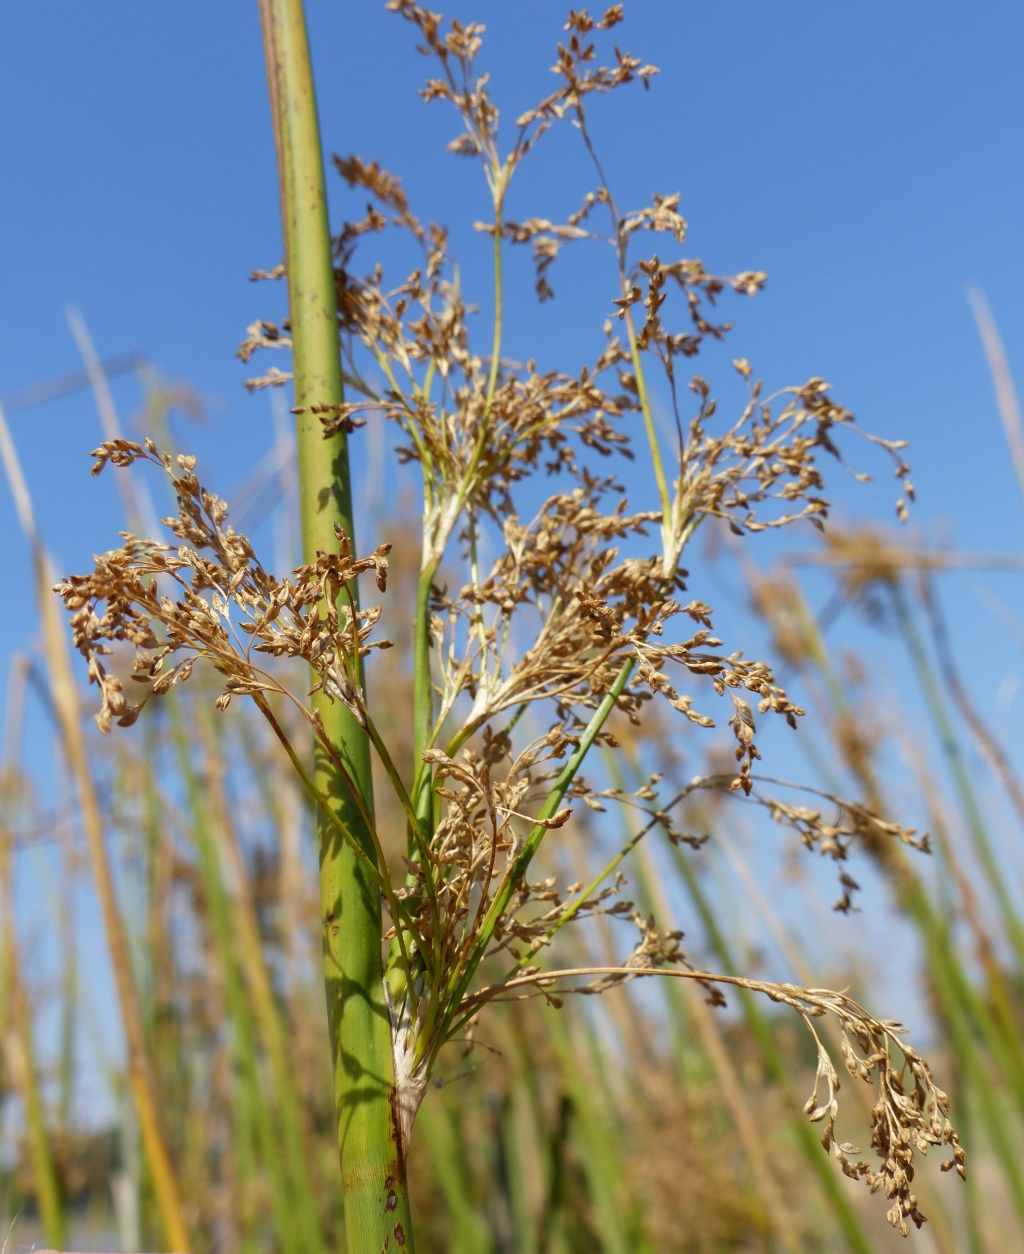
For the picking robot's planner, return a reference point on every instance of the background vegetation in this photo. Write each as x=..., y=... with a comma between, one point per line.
x=643, y=1119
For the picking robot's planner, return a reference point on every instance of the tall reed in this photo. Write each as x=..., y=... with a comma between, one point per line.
x=370, y=1137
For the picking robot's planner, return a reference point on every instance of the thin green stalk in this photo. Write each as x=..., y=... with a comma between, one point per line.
x=645, y=408
x=961, y=775
x=775, y=1067
x=423, y=696
x=370, y=1137
x=446, y=1150
x=17, y=1036
x=268, y=1015
x=634, y=348
x=498, y=188
x=492, y=378
x=465, y=971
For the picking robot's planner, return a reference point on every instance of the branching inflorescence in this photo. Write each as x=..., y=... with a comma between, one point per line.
x=519, y=668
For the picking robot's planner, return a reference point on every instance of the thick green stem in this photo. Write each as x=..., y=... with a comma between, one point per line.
x=370, y=1142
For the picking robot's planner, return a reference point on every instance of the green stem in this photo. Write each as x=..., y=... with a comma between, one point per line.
x=326, y=812
x=423, y=697
x=23, y=1064
x=958, y=767
x=466, y=969
x=645, y=409
x=421, y=838
x=775, y=1066
x=492, y=379
x=296, y=1229
x=370, y=1140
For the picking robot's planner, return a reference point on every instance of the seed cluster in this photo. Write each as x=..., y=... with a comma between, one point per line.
x=575, y=618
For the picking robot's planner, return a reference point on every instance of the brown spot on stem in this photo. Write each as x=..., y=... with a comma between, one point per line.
x=399, y=1234
x=396, y=1130
x=392, y=1201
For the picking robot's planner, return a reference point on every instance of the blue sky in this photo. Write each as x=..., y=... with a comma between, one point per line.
x=867, y=156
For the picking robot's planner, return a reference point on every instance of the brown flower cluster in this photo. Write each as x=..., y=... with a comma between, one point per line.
x=523, y=655
x=213, y=570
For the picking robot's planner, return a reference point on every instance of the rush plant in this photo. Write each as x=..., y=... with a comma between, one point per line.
x=526, y=659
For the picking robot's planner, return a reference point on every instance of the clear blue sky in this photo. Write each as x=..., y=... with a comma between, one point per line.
x=868, y=156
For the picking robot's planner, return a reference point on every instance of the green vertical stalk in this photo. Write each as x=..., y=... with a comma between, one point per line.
x=775, y=1068
x=446, y=1149
x=422, y=692
x=244, y=927
x=970, y=805
x=22, y=1062
x=252, y=1110
x=370, y=1141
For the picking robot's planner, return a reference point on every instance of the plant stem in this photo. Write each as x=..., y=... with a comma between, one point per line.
x=239, y=909
x=423, y=697
x=775, y=1066
x=369, y=1137
x=465, y=971
x=16, y=1047
x=946, y=731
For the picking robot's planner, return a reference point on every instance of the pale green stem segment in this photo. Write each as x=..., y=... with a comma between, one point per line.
x=372, y=1154
x=422, y=696
x=423, y=693
x=645, y=408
